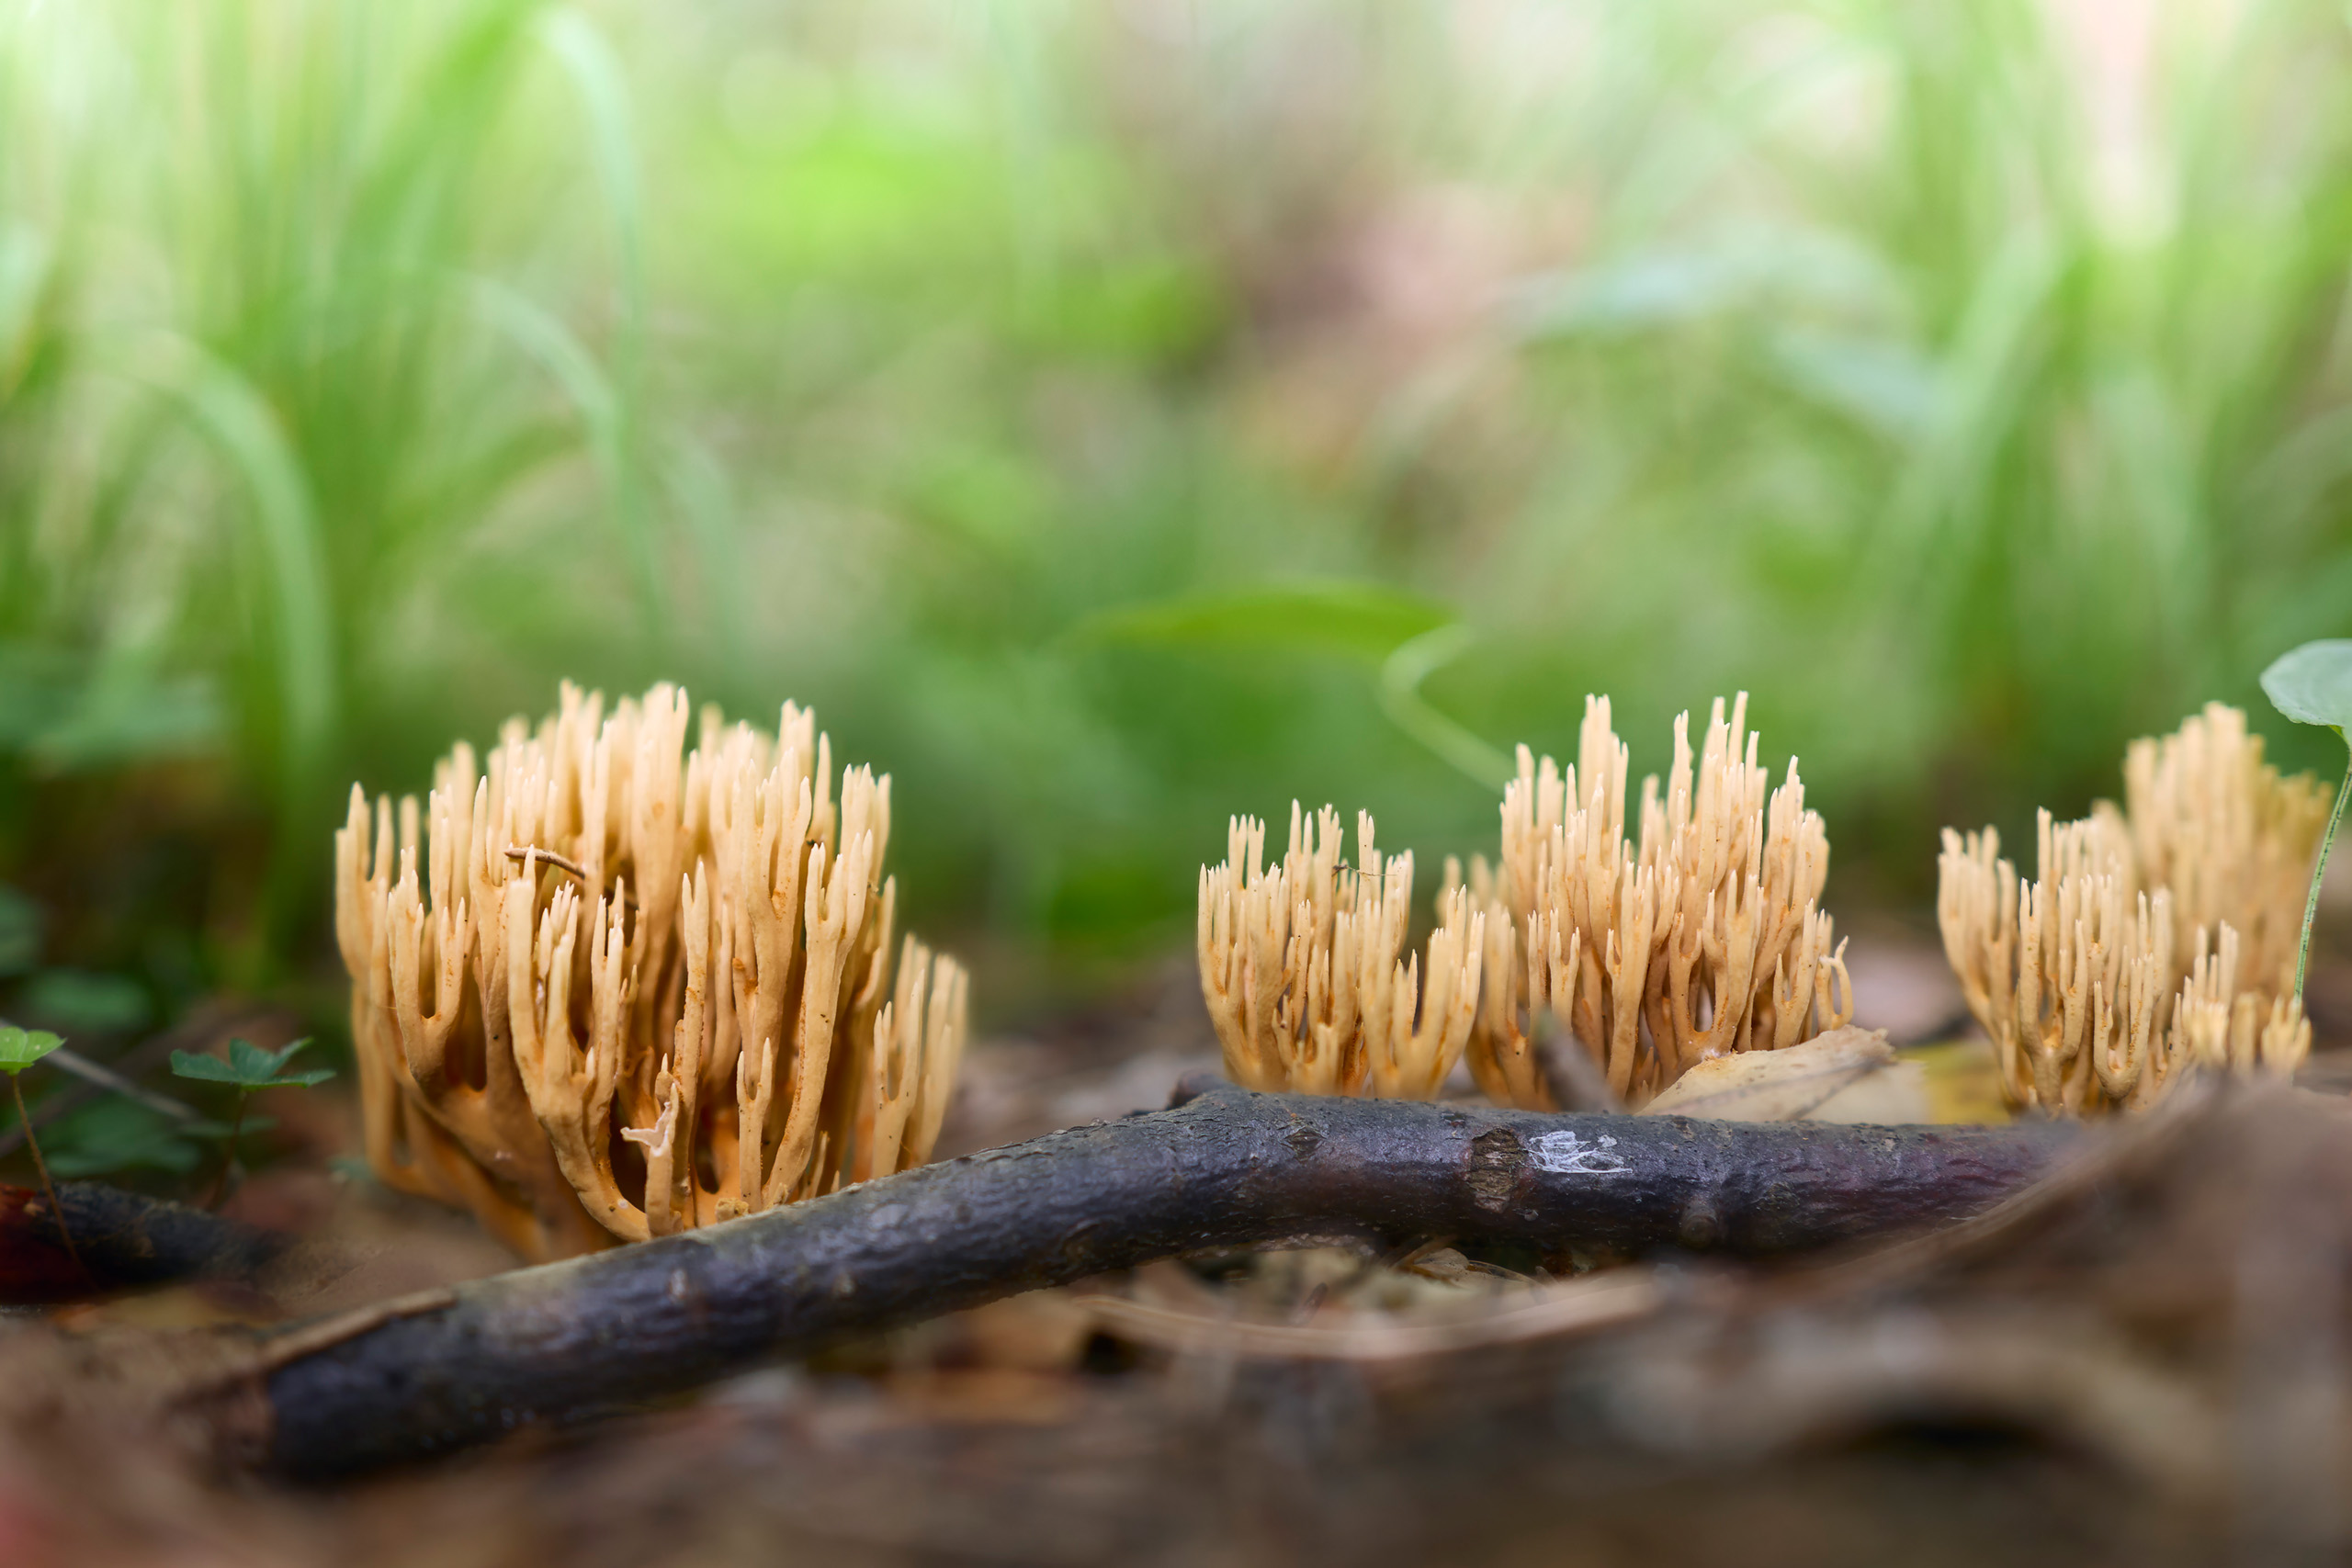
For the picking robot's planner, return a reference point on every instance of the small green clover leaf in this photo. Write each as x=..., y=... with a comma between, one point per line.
x=249, y=1067
x=20, y=1048
x=2313, y=685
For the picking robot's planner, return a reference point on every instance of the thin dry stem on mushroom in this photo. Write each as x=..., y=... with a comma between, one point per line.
x=609, y=989
x=1700, y=939
x=2153, y=939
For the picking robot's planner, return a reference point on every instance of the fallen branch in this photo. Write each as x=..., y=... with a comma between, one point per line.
x=124, y=1241
x=1223, y=1169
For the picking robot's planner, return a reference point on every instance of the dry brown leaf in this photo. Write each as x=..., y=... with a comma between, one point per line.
x=1895, y=1095
x=1846, y=1075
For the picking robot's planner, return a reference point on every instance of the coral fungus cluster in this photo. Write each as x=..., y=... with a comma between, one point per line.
x=1703, y=938
x=1698, y=938
x=2153, y=939
x=1300, y=966
x=606, y=986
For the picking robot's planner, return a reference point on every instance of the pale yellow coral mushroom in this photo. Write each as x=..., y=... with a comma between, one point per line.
x=1300, y=970
x=610, y=988
x=2153, y=939
x=1701, y=939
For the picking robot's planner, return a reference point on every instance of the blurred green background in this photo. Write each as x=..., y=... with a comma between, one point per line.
x=1083, y=405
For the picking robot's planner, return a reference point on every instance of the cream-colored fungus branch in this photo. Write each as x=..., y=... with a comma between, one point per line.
x=2153, y=939
x=1301, y=969
x=1701, y=939
x=609, y=988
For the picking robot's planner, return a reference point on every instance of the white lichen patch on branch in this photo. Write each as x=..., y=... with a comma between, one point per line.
x=1565, y=1153
x=2153, y=939
x=609, y=988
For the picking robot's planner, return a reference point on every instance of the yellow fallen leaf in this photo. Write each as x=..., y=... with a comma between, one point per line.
x=1846, y=1075
x=1964, y=1081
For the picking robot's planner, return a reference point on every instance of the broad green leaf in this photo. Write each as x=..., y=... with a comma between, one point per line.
x=249, y=1067
x=1401, y=675
x=2313, y=684
x=251, y=435
x=204, y=1068
x=20, y=1048
x=1363, y=619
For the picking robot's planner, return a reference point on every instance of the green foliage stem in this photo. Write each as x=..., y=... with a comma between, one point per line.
x=2319, y=875
x=20, y=1049
x=247, y=1068
x=2313, y=685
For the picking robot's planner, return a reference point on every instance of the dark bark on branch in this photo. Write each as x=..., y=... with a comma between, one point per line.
x=124, y=1240
x=1223, y=1169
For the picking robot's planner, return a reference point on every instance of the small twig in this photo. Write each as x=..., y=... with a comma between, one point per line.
x=106, y=1078
x=1225, y=1169
x=570, y=867
x=313, y=1338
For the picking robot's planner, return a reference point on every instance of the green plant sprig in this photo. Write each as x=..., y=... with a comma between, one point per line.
x=248, y=1069
x=2313, y=685
x=20, y=1049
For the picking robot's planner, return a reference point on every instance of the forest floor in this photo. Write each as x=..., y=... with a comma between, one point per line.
x=2143, y=1362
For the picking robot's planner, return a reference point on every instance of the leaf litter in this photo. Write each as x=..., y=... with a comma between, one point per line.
x=2142, y=1359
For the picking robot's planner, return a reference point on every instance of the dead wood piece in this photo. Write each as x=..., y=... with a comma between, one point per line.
x=124, y=1241
x=1224, y=1168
